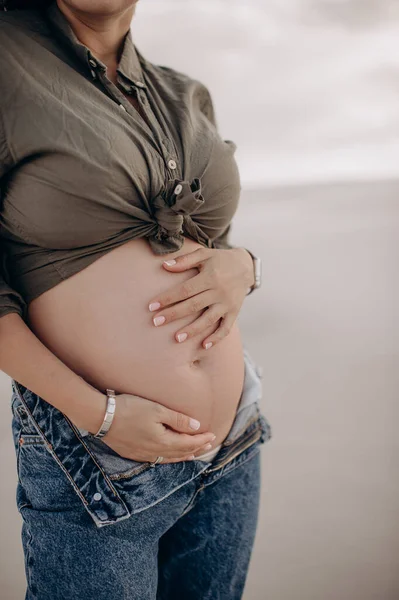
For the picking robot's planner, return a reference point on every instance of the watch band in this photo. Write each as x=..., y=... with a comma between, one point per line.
x=257, y=272
x=109, y=414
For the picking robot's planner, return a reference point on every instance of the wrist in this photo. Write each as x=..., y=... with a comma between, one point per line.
x=87, y=409
x=109, y=414
x=250, y=281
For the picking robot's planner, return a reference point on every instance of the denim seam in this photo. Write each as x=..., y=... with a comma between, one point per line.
x=192, y=502
x=18, y=458
x=22, y=415
x=29, y=554
x=39, y=431
x=130, y=473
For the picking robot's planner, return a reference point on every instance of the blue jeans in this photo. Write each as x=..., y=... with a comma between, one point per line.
x=97, y=526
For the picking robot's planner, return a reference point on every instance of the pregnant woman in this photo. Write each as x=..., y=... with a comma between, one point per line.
x=135, y=406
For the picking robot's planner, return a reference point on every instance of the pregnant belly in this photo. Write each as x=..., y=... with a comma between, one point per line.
x=98, y=323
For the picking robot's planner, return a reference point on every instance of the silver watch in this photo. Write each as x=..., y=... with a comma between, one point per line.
x=109, y=414
x=257, y=272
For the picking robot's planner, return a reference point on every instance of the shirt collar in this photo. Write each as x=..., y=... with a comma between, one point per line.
x=129, y=64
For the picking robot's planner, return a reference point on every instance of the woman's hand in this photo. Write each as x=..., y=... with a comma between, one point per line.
x=138, y=432
x=220, y=286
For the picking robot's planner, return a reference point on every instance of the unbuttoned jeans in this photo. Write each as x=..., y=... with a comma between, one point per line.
x=97, y=526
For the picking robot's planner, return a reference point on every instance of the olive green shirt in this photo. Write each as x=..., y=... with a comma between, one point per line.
x=82, y=172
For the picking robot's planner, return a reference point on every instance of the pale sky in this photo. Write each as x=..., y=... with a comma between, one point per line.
x=308, y=89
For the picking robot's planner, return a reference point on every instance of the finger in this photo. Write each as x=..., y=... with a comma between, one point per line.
x=185, y=308
x=175, y=460
x=178, y=420
x=188, y=288
x=221, y=332
x=201, y=450
x=189, y=260
x=209, y=318
x=177, y=444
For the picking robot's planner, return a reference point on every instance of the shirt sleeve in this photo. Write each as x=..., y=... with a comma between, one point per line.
x=10, y=300
x=208, y=109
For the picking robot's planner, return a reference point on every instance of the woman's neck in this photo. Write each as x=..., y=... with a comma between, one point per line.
x=102, y=33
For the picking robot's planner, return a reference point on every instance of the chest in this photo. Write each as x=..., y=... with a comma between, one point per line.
x=93, y=158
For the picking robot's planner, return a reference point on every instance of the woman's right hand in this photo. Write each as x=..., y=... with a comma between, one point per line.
x=143, y=429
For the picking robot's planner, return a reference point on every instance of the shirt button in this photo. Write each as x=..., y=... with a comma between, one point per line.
x=92, y=62
x=140, y=84
x=178, y=189
x=93, y=73
x=172, y=164
x=122, y=107
x=97, y=496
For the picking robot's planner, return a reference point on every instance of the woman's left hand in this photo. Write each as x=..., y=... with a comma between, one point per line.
x=220, y=286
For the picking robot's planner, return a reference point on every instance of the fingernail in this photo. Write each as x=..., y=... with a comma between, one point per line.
x=170, y=262
x=208, y=447
x=158, y=320
x=194, y=424
x=191, y=457
x=208, y=345
x=154, y=306
x=213, y=438
x=181, y=337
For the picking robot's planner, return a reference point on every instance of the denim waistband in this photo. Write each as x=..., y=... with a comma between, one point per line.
x=112, y=488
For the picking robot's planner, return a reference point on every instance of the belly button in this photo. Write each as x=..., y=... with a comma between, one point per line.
x=195, y=363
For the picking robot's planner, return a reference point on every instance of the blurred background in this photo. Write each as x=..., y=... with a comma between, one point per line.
x=308, y=89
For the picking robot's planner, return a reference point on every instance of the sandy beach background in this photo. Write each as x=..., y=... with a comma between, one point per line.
x=308, y=90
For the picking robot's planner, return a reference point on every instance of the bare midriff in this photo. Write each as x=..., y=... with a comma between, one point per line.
x=98, y=323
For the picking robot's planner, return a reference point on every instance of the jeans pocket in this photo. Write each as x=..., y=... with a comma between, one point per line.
x=41, y=484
